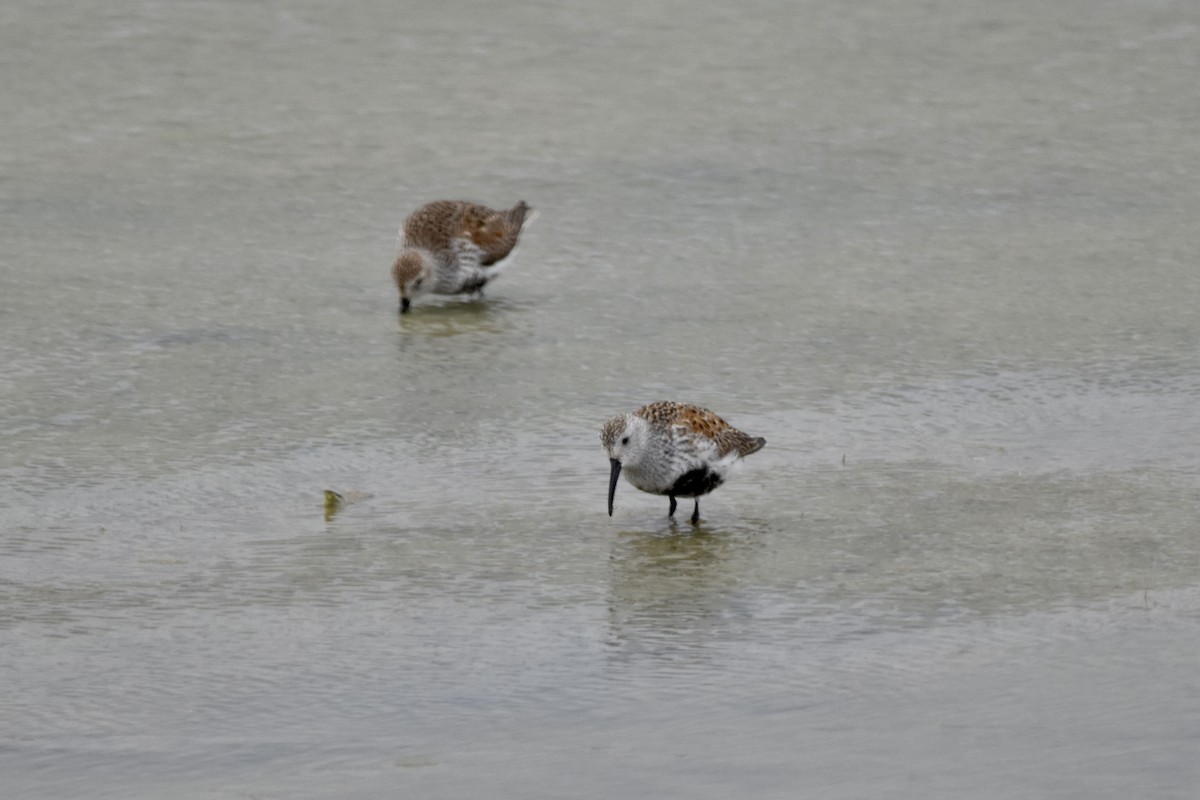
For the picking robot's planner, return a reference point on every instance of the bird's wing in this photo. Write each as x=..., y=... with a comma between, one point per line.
x=700, y=422
x=694, y=419
x=495, y=232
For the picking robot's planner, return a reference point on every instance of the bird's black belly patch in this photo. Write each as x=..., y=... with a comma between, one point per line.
x=474, y=285
x=695, y=483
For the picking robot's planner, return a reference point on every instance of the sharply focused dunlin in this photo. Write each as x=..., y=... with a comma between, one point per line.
x=675, y=449
x=456, y=247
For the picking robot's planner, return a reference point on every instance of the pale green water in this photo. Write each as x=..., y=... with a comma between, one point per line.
x=942, y=256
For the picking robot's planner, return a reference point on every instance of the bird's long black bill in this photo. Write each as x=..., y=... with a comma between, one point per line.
x=404, y=304
x=612, y=482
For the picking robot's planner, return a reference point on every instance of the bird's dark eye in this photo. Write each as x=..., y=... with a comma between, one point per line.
x=625, y=440
x=417, y=285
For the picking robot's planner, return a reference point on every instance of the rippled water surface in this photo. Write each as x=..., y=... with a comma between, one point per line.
x=941, y=255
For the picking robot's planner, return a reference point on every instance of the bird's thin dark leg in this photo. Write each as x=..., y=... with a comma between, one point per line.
x=671, y=511
x=696, y=512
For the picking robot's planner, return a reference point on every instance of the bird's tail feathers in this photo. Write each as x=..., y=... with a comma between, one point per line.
x=521, y=215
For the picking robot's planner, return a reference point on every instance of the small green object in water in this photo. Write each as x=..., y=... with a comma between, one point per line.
x=333, y=502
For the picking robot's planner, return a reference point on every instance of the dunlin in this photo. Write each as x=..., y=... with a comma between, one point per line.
x=675, y=449
x=456, y=247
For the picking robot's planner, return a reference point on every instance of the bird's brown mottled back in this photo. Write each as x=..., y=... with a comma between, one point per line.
x=435, y=225
x=704, y=422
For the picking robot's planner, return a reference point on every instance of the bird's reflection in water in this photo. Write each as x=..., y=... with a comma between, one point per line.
x=673, y=594
x=457, y=316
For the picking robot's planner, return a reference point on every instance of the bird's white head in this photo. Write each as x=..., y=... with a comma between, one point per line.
x=626, y=440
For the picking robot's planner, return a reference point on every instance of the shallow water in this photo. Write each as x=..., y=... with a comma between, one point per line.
x=940, y=255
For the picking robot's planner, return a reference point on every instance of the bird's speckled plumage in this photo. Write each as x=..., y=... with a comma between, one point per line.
x=456, y=247
x=674, y=449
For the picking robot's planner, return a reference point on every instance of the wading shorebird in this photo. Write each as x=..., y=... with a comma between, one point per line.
x=675, y=449
x=455, y=247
